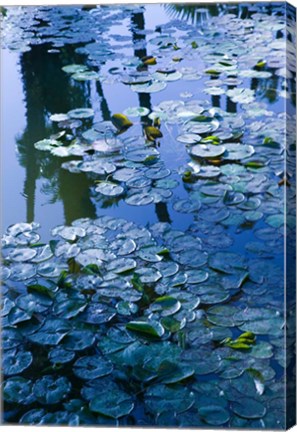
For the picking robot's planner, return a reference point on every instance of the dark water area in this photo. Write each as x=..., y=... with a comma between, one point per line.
x=164, y=136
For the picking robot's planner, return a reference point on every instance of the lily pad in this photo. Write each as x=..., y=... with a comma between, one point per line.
x=49, y=390
x=207, y=151
x=92, y=367
x=249, y=408
x=81, y=113
x=16, y=361
x=214, y=415
x=109, y=189
x=112, y=403
x=145, y=328
x=18, y=390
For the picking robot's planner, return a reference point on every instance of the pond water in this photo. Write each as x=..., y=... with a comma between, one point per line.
x=148, y=158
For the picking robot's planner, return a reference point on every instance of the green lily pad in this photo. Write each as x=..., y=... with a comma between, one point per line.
x=136, y=112
x=207, y=151
x=214, y=415
x=49, y=390
x=33, y=417
x=227, y=262
x=262, y=350
x=59, y=117
x=74, y=68
x=139, y=199
x=16, y=361
x=237, y=151
x=81, y=113
x=75, y=342
x=18, y=390
x=109, y=189
x=148, y=87
x=85, y=75
x=114, y=404
x=51, y=333
x=47, y=144
x=188, y=138
x=92, y=367
x=249, y=408
x=59, y=355
x=121, y=265
x=145, y=328
x=160, y=398
x=148, y=275
x=166, y=305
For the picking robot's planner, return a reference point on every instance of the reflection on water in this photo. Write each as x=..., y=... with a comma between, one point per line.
x=214, y=83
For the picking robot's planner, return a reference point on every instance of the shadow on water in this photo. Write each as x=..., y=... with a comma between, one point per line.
x=47, y=90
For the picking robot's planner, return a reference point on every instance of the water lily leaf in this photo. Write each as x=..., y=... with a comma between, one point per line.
x=121, y=265
x=92, y=367
x=249, y=408
x=33, y=417
x=160, y=398
x=47, y=144
x=86, y=75
x=59, y=355
x=148, y=275
x=138, y=182
x=241, y=95
x=81, y=113
x=167, y=75
x=74, y=340
x=262, y=350
x=123, y=246
x=126, y=308
x=49, y=390
x=207, y=151
x=149, y=87
x=22, y=254
x=145, y=328
x=18, y=390
x=34, y=302
x=237, y=151
x=196, y=276
x=167, y=268
x=109, y=189
x=17, y=315
x=74, y=68
x=276, y=220
x=58, y=118
x=22, y=271
x=227, y=262
x=157, y=173
x=112, y=403
x=136, y=112
x=139, y=199
x=188, y=138
x=142, y=154
x=187, y=206
x=150, y=254
x=97, y=313
x=167, y=305
x=171, y=373
x=214, y=414
x=210, y=294
x=51, y=333
x=16, y=361
x=7, y=306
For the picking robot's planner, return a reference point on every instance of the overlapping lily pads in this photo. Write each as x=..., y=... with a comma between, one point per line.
x=115, y=319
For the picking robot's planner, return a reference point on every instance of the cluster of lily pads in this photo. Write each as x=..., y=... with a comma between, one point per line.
x=110, y=313
x=113, y=323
